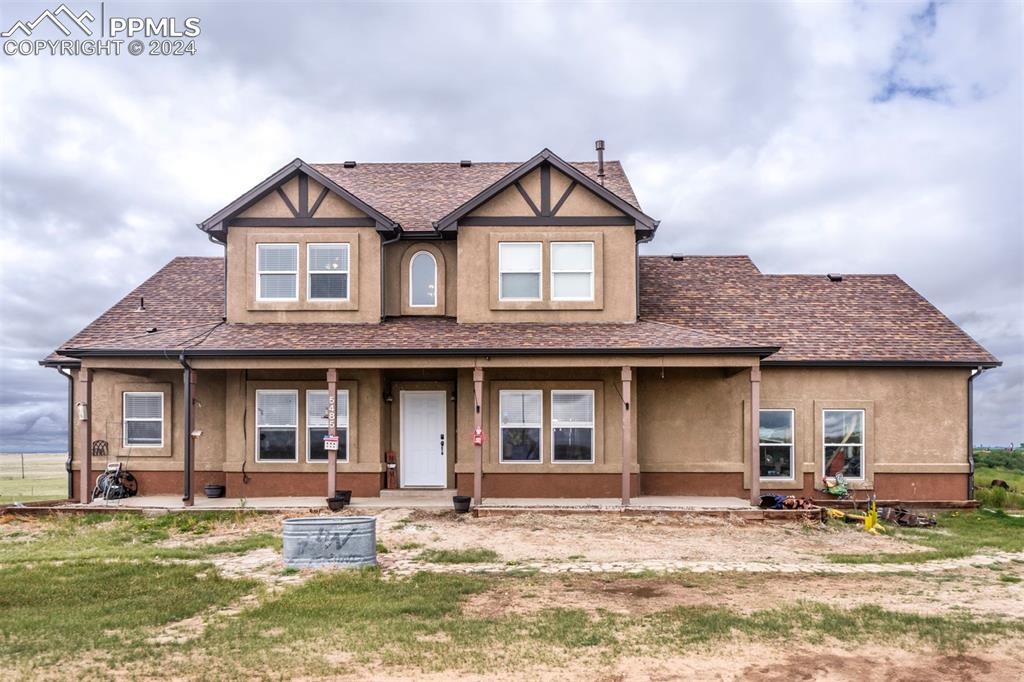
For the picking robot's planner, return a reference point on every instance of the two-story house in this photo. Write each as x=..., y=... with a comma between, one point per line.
x=492, y=328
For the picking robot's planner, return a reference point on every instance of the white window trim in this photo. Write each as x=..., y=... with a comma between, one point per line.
x=436, y=292
x=592, y=426
x=792, y=445
x=571, y=272
x=256, y=424
x=862, y=445
x=310, y=272
x=309, y=440
x=293, y=273
x=539, y=272
x=539, y=426
x=125, y=419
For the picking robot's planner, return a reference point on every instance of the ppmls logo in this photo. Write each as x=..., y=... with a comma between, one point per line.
x=165, y=36
x=52, y=17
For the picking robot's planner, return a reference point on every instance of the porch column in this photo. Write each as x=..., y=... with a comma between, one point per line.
x=478, y=425
x=627, y=433
x=755, y=435
x=189, y=400
x=332, y=431
x=85, y=434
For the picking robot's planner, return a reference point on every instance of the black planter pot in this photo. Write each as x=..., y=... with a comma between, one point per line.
x=212, y=490
x=340, y=499
x=461, y=503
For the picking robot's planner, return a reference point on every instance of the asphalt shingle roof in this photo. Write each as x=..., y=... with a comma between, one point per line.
x=698, y=304
x=416, y=194
x=874, y=318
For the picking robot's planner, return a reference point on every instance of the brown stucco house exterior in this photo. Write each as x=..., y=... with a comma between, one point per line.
x=492, y=328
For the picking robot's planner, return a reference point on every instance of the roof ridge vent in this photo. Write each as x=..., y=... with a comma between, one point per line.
x=677, y=256
x=834, y=277
x=465, y=163
x=349, y=164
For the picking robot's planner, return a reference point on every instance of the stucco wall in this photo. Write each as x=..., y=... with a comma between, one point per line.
x=363, y=304
x=365, y=427
x=606, y=384
x=397, y=257
x=696, y=420
x=614, y=276
x=108, y=387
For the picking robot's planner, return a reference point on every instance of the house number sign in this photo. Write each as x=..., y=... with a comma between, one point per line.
x=331, y=443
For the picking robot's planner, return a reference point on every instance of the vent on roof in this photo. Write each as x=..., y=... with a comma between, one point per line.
x=142, y=305
x=349, y=164
x=677, y=256
x=465, y=163
x=599, y=146
x=834, y=277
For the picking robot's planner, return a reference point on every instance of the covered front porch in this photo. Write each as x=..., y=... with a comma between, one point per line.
x=541, y=430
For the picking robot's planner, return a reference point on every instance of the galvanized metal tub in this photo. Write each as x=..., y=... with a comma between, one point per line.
x=348, y=541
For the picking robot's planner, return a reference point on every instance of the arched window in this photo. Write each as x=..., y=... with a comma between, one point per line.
x=423, y=280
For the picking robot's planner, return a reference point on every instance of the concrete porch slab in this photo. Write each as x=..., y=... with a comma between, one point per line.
x=426, y=499
x=680, y=503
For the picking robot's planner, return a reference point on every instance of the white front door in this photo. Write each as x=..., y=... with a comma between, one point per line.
x=424, y=445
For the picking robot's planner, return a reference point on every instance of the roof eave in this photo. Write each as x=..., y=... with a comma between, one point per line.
x=964, y=364
x=761, y=351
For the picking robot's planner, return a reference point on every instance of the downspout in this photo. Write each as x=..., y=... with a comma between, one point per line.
x=975, y=373
x=186, y=494
x=383, y=260
x=71, y=430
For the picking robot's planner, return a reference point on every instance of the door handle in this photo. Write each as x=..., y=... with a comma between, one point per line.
x=442, y=445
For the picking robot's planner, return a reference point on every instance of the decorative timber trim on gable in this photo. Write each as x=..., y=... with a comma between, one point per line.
x=546, y=213
x=302, y=212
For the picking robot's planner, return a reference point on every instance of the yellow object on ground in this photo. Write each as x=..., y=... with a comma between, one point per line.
x=871, y=519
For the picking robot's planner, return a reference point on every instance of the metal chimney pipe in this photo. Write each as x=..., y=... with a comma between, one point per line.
x=599, y=146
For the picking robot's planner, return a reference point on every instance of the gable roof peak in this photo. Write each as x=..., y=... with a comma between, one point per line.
x=216, y=225
x=645, y=224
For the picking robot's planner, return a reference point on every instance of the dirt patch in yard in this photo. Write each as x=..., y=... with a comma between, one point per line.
x=807, y=664
x=608, y=537
x=976, y=591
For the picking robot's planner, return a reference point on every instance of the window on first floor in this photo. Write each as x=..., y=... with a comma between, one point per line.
x=519, y=270
x=843, y=441
x=328, y=266
x=776, y=443
x=521, y=416
x=572, y=271
x=277, y=272
x=277, y=426
x=144, y=419
x=317, y=423
x=572, y=426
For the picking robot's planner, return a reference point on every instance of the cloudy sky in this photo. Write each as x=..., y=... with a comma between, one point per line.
x=816, y=137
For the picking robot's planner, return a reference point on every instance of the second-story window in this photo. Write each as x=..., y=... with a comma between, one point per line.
x=328, y=272
x=277, y=272
x=572, y=271
x=519, y=271
x=423, y=280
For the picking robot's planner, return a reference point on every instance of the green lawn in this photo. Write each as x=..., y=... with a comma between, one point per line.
x=473, y=555
x=103, y=585
x=957, y=535
x=32, y=477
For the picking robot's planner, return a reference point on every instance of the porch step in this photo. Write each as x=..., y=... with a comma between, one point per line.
x=420, y=493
